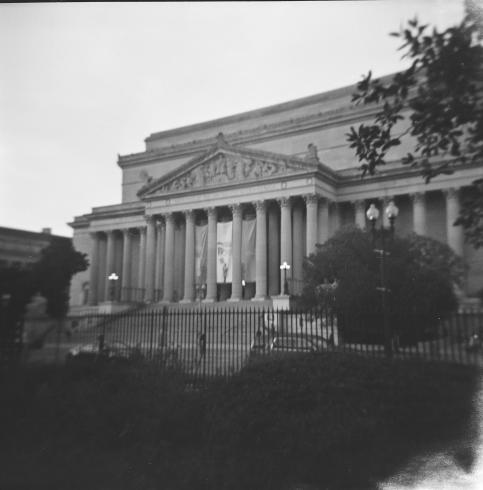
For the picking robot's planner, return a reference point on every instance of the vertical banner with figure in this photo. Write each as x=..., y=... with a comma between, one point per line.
x=248, y=249
x=201, y=237
x=224, y=252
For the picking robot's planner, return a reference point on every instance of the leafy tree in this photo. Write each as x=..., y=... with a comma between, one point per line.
x=420, y=273
x=58, y=262
x=19, y=285
x=439, y=98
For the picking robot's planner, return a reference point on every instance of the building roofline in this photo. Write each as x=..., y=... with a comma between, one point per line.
x=32, y=234
x=263, y=111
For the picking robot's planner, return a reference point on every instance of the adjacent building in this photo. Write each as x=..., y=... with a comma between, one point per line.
x=22, y=247
x=212, y=209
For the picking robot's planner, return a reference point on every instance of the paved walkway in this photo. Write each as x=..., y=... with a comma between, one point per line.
x=452, y=469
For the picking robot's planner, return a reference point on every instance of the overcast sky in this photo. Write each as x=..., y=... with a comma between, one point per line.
x=80, y=83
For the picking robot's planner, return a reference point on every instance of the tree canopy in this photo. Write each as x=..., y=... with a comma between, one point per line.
x=58, y=263
x=438, y=99
x=50, y=276
x=421, y=274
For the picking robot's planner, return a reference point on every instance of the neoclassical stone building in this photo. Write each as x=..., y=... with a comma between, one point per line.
x=213, y=209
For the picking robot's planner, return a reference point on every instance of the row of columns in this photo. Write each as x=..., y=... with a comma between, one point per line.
x=160, y=242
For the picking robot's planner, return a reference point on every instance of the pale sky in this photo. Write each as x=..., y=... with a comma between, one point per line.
x=80, y=83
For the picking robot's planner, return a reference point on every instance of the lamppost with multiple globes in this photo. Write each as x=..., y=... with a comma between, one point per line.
x=200, y=292
x=285, y=267
x=113, y=277
x=372, y=214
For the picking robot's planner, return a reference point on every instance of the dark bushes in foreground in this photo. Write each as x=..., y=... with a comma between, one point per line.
x=334, y=421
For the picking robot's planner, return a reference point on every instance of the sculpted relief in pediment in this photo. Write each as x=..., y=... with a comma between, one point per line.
x=224, y=169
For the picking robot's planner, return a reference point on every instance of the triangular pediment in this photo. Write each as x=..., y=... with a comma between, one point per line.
x=225, y=165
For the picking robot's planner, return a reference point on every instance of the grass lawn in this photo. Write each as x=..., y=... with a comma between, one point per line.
x=332, y=421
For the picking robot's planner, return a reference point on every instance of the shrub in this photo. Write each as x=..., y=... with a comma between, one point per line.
x=420, y=274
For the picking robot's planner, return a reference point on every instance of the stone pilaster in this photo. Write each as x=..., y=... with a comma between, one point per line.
x=126, y=264
x=236, y=285
x=285, y=237
x=110, y=261
x=335, y=217
x=360, y=213
x=211, y=292
x=419, y=212
x=261, y=251
x=323, y=219
x=189, y=268
x=311, y=203
x=454, y=233
x=94, y=270
x=150, y=258
x=169, y=259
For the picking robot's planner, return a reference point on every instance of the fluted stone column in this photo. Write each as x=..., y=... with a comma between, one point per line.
x=285, y=238
x=261, y=251
x=360, y=213
x=273, y=251
x=94, y=270
x=142, y=259
x=323, y=219
x=126, y=265
x=236, y=285
x=110, y=261
x=211, y=258
x=298, y=248
x=189, y=268
x=454, y=233
x=419, y=213
x=150, y=258
x=158, y=276
x=169, y=259
x=311, y=203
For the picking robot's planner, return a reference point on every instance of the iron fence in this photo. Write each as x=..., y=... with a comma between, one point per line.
x=204, y=342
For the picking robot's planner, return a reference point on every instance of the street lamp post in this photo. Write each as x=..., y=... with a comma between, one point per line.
x=285, y=267
x=113, y=277
x=200, y=292
x=372, y=215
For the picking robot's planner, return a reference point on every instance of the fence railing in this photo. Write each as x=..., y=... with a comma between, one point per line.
x=205, y=342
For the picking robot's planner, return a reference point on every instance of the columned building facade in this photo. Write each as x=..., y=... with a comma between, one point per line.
x=211, y=210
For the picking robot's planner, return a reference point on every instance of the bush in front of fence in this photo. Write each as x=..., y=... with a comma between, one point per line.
x=332, y=420
x=420, y=278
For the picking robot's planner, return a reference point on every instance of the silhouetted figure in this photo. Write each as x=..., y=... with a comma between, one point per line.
x=202, y=344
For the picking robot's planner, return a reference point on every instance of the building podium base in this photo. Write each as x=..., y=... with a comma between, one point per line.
x=281, y=302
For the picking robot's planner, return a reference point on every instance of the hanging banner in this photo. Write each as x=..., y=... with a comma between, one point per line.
x=201, y=235
x=224, y=252
x=248, y=249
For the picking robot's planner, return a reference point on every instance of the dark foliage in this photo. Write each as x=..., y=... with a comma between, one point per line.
x=420, y=273
x=59, y=261
x=323, y=420
x=20, y=284
x=440, y=96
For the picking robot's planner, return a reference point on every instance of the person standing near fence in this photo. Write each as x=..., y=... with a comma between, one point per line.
x=202, y=345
